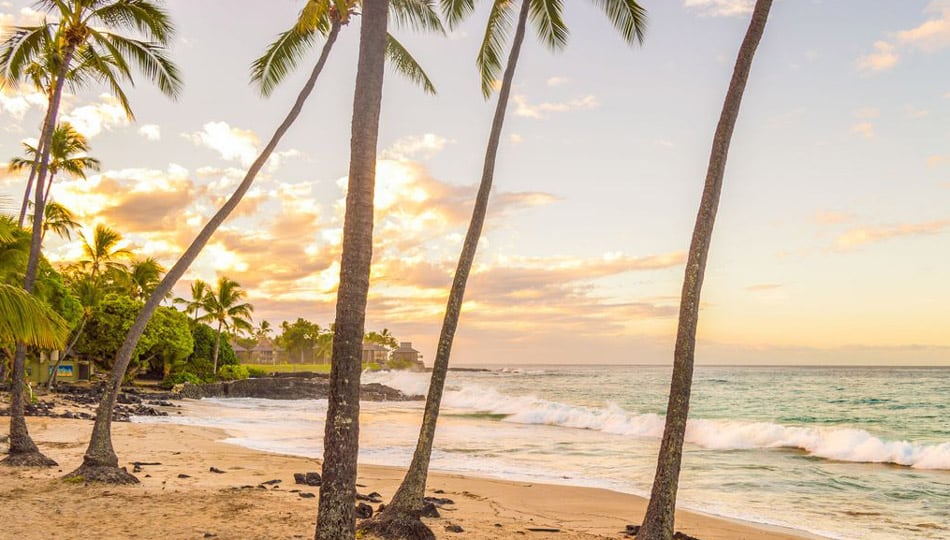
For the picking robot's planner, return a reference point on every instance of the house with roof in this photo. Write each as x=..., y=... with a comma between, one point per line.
x=405, y=357
x=265, y=352
x=374, y=353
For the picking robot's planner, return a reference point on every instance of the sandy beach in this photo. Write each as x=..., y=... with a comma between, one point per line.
x=181, y=498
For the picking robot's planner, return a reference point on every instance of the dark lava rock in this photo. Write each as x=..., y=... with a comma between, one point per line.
x=632, y=530
x=305, y=495
x=454, y=528
x=183, y=476
x=363, y=511
x=683, y=536
x=288, y=388
x=272, y=482
x=308, y=479
x=438, y=501
x=372, y=497
x=216, y=470
x=429, y=510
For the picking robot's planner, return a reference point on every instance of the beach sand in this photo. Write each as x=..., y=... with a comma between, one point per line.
x=231, y=505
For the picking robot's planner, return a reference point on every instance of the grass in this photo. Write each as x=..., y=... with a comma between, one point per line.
x=291, y=368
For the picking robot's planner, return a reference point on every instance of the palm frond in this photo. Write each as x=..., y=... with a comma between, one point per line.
x=417, y=15
x=627, y=16
x=315, y=16
x=490, y=53
x=403, y=62
x=280, y=58
x=549, y=22
x=145, y=16
x=20, y=49
x=26, y=319
x=455, y=11
x=151, y=60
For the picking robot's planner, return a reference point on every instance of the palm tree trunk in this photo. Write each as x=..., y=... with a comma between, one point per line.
x=100, y=461
x=658, y=521
x=407, y=501
x=50, y=385
x=40, y=148
x=336, y=519
x=408, y=498
x=49, y=186
x=217, y=345
x=23, y=451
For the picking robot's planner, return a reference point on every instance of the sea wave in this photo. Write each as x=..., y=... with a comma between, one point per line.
x=834, y=443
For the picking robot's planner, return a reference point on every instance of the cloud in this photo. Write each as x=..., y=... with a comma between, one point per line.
x=93, y=119
x=762, y=287
x=539, y=111
x=868, y=235
x=933, y=34
x=864, y=129
x=515, y=138
x=937, y=161
x=408, y=148
x=831, y=217
x=883, y=58
x=231, y=143
x=152, y=132
x=557, y=81
x=721, y=8
x=18, y=101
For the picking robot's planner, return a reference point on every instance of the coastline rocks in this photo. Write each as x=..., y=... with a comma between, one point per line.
x=287, y=388
x=308, y=479
x=364, y=511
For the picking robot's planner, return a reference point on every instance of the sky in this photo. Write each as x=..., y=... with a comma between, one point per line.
x=833, y=238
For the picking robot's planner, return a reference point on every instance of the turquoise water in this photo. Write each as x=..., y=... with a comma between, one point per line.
x=857, y=453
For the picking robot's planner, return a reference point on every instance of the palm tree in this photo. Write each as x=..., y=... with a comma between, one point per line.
x=78, y=46
x=100, y=462
x=198, y=291
x=102, y=253
x=141, y=278
x=263, y=330
x=24, y=318
x=336, y=518
x=400, y=519
x=658, y=521
x=59, y=219
x=67, y=154
x=223, y=305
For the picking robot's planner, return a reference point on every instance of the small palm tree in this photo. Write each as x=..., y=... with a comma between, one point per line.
x=658, y=521
x=400, y=518
x=59, y=219
x=103, y=252
x=67, y=155
x=199, y=289
x=263, y=330
x=224, y=305
x=142, y=277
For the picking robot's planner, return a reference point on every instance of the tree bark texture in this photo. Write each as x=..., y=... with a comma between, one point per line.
x=658, y=521
x=100, y=460
x=336, y=519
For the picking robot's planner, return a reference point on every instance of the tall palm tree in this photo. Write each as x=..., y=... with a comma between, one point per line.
x=67, y=154
x=400, y=519
x=263, y=330
x=199, y=289
x=658, y=521
x=224, y=305
x=336, y=518
x=80, y=46
x=100, y=462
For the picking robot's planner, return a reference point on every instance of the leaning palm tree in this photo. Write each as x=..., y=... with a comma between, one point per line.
x=67, y=155
x=100, y=462
x=224, y=306
x=658, y=521
x=199, y=289
x=81, y=44
x=400, y=519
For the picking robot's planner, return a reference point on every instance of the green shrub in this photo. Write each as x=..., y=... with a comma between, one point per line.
x=233, y=372
x=179, y=378
x=256, y=372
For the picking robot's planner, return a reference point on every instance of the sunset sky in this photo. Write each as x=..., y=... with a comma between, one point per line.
x=833, y=239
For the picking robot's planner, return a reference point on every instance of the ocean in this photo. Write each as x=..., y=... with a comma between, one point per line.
x=841, y=452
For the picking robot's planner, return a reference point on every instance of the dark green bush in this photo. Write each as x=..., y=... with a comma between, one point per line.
x=233, y=373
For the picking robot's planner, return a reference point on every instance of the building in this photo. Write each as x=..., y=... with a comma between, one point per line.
x=265, y=352
x=374, y=353
x=40, y=368
x=405, y=357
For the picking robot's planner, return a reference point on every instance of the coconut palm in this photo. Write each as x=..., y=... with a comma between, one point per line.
x=199, y=289
x=103, y=253
x=142, y=277
x=100, y=462
x=336, y=517
x=79, y=45
x=24, y=318
x=67, y=155
x=224, y=306
x=400, y=519
x=263, y=330
x=658, y=521
x=60, y=220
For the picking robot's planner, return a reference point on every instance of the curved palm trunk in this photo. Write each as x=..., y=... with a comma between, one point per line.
x=100, y=462
x=400, y=519
x=658, y=521
x=217, y=345
x=336, y=519
x=23, y=451
x=49, y=186
x=40, y=149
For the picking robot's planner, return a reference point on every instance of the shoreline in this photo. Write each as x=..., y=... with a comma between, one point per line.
x=234, y=505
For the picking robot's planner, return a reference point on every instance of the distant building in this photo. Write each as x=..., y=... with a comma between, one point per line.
x=39, y=369
x=374, y=353
x=265, y=352
x=243, y=353
x=405, y=355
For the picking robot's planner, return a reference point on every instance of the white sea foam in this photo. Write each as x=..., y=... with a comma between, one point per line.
x=836, y=443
